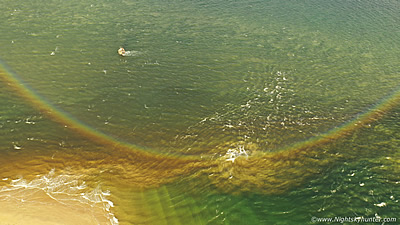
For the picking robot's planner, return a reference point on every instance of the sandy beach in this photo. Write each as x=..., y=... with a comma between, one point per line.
x=35, y=207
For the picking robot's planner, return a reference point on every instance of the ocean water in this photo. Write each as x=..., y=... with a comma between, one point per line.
x=223, y=112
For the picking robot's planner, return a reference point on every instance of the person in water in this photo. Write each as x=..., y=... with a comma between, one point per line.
x=121, y=51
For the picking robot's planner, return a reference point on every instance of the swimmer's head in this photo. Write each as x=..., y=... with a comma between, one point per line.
x=121, y=51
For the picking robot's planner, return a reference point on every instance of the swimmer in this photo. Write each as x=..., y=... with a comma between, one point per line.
x=121, y=51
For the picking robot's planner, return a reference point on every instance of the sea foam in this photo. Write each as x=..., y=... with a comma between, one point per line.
x=66, y=191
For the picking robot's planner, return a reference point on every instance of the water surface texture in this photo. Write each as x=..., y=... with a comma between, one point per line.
x=223, y=112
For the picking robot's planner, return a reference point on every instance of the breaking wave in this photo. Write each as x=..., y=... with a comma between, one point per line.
x=62, y=193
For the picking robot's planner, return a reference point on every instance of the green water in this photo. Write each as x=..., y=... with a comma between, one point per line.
x=205, y=77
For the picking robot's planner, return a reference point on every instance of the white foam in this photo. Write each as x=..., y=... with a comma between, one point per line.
x=232, y=154
x=382, y=204
x=65, y=189
x=132, y=53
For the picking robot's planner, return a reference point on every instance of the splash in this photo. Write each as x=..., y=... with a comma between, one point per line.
x=232, y=154
x=132, y=53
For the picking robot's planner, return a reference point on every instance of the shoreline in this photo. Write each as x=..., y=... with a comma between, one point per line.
x=36, y=207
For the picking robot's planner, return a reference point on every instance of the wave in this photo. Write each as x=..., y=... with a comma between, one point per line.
x=54, y=199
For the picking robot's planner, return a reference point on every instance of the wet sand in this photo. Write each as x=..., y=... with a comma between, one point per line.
x=35, y=207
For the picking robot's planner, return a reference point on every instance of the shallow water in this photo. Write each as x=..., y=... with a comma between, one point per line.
x=236, y=112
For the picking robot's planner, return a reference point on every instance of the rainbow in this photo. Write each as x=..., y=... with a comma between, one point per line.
x=64, y=118
x=278, y=170
x=372, y=114
x=18, y=85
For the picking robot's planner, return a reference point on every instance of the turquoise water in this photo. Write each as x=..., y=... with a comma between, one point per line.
x=206, y=77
